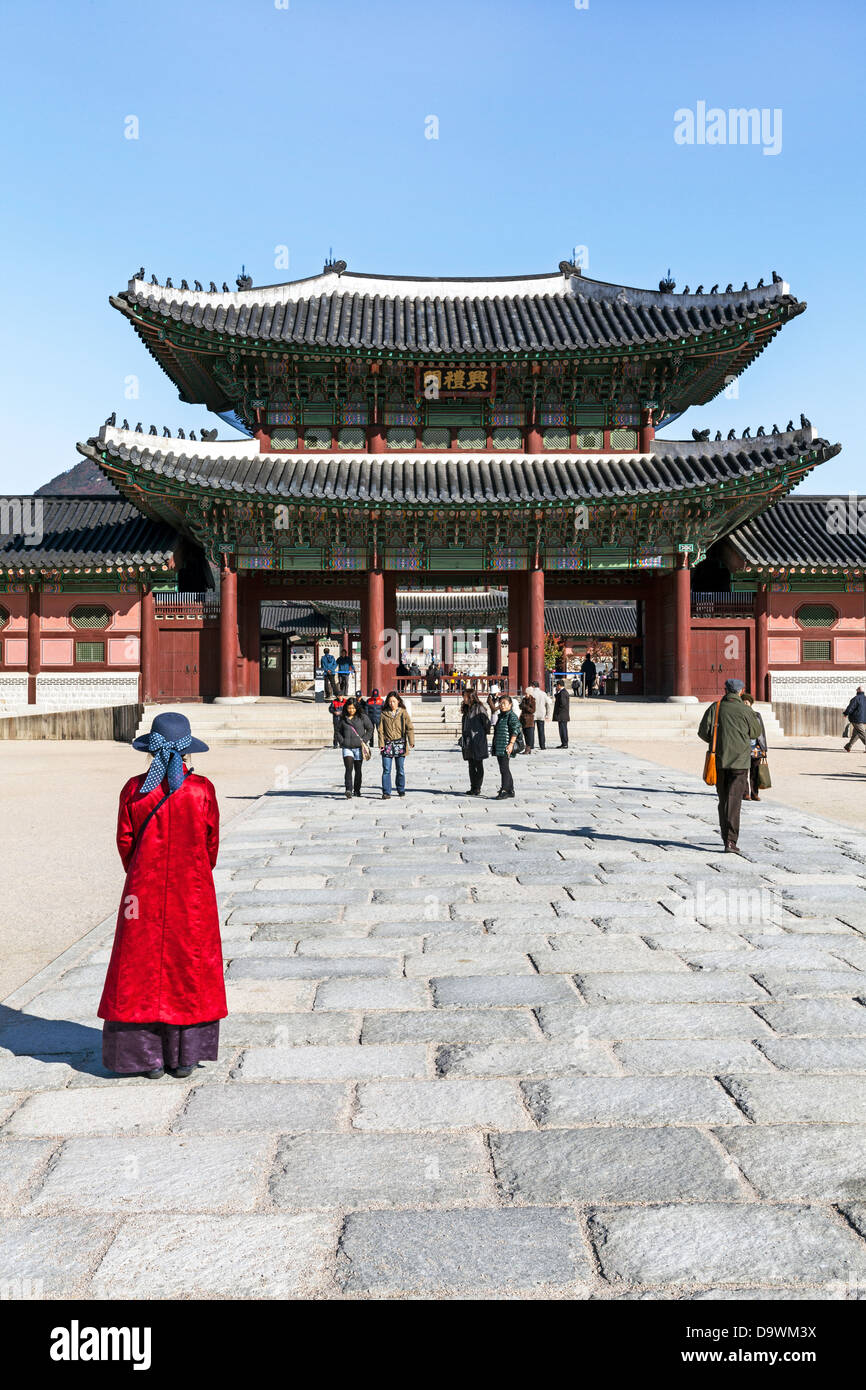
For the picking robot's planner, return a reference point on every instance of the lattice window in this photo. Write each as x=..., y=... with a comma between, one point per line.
x=816, y=651
x=89, y=652
x=400, y=437
x=623, y=439
x=90, y=615
x=508, y=437
x=472, y=437
x=284, y=439
x=353, y=438
x=590, y=439
x=4, y=617
x=317, y=437
x=556, y=439
x=436, y=438
x=817, y=615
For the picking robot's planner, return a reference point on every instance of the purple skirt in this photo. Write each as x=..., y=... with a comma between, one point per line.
x=137, y=1047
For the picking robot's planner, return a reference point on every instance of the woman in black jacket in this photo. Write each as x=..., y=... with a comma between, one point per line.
x=473, y=740
x=353, y=731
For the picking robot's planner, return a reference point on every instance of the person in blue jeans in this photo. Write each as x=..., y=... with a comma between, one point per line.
x=396, y=737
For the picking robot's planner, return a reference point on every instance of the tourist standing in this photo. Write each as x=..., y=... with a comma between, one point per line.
x=561, y=711
x=396, y=737
x=475, y=728
x=375, y=704
x=589, y=672
x=504, y=742
x=855, y=713
x=543, y=705
x=354, y=735
x=737, y=725
x=527, y=720
x=759, y=752
x=345, y=669
x=164, y=993
x=329, y=672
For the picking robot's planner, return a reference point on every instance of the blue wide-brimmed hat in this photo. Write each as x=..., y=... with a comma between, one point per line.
x=169, y=738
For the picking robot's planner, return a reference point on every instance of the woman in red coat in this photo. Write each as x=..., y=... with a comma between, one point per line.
x=164, y=993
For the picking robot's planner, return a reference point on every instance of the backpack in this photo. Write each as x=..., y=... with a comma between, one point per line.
x=520, y=744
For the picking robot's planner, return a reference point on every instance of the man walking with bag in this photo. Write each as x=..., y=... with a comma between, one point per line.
x=729, y=726
x=855, y=713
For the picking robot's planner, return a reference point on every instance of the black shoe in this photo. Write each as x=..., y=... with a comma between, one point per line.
x=386, y=796
x=356, y=793
x=154, y=1075
x=181, y=1072
x=401, y=793
x=348, y=796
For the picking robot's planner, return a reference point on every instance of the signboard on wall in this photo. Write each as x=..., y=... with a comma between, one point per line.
x=469, y=381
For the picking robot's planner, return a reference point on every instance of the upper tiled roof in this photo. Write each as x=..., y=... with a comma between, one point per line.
x=562, y=617
x=802, y=532
x=404, y=479
x=540, y=313
x=80, y=533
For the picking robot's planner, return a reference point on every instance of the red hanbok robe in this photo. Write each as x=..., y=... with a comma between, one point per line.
x=166, y=965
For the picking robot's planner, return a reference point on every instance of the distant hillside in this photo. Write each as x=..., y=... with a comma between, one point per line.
x=82, y=479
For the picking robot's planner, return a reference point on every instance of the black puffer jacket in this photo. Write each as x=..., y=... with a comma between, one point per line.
x=474, y=734
x=351, y=733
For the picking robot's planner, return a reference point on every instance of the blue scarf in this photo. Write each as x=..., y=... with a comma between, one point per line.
x=167, y=762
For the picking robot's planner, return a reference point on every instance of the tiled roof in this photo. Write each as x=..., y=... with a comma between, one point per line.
x=564, y=618
x=541, y=313
x=85, y=532
x=404, y=479
x=803, y=531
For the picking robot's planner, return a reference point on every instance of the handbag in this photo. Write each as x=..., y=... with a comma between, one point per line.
x=846, y=732
x=710, y=776
x=764, y=779
x=365, y=751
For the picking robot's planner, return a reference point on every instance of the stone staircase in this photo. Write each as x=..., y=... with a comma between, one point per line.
x=302, y=723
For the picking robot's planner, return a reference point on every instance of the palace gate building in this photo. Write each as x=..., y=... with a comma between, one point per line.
x=441, y=436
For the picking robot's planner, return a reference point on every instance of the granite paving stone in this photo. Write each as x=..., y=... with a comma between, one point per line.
x=672, y=1100
x=612, y=1165
x=772, y=1099
x=813, y=1162
x=381, y=1170
x=432, y=1252
x=731, y=1243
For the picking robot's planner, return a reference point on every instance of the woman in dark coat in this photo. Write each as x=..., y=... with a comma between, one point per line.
x=473, y=739
x=527, y=719
x=353, y=731
x=164, y=993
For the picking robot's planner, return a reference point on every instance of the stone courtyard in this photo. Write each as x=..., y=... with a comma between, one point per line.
x=559, y=1046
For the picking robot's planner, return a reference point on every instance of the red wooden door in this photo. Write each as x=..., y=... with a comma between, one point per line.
x=717, y=654
x=178, y=665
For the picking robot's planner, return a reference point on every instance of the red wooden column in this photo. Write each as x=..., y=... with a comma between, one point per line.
x=523, y=651
x=228, y=631
x=389, y=666
x=514, y=631
x=647, y=430
x=682, y=629
x=375, y=628
x=762, y=646
x=494, y=653
x=34, y=640
x=535, y=634
x=149, y=683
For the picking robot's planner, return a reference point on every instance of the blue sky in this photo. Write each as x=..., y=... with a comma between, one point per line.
x=304, y=127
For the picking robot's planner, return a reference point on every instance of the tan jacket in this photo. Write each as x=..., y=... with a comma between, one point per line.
x=395, y=726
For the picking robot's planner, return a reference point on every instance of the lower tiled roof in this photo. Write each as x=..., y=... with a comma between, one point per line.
x=71, y=533
x=462, y=479
x=803, y=531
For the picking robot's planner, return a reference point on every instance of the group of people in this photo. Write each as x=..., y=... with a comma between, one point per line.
x=357, y=722
x=337, y=671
